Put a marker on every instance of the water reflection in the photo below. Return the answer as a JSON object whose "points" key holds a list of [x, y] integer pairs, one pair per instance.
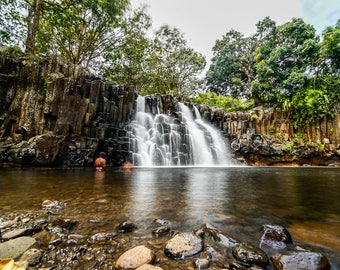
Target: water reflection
{"points": [[237, 199]]}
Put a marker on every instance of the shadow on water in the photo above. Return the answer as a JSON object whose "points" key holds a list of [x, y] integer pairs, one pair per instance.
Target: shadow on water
{"points": [[237, 200]]}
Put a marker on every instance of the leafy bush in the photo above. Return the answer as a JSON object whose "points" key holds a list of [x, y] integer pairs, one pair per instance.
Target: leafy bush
{"points": [[227, 103], [309, 105]]}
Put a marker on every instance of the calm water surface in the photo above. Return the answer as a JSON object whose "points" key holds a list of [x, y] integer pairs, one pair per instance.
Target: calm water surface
{"points": [[237, 200]]}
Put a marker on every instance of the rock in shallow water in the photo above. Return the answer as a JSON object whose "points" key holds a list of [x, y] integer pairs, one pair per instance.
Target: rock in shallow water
{"points": [[183, 245], [161, 231], [294, 259], [16, 247], [135, 257], [126, 226], [32, 256], [250, 255], [275, 238], [16, 233]]}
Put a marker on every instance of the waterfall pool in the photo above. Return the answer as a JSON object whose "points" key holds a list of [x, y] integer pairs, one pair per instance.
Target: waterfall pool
{"points": [[236, 200]]}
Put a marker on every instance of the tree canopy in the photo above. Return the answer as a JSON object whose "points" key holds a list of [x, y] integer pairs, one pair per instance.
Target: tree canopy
{"points": [[108, 37], [283, 66], [286, 66]]}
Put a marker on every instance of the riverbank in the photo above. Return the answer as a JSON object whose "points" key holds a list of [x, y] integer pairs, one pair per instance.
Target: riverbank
{"points": [[47, 238]]}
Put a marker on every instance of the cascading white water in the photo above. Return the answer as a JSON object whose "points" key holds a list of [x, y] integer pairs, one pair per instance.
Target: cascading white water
{"points": [[175, 140]]}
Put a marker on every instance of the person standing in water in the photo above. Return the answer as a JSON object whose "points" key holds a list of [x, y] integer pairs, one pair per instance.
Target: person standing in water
{"points": [[100, 163]]}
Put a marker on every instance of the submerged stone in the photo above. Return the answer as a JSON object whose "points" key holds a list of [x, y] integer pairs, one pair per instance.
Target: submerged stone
{"points": [[16, 233], [161, 231], [217, 236], [275, 237], [149, 267], [183, 245], [126, 226], [249, 255], [14, 248], [295, 259]]}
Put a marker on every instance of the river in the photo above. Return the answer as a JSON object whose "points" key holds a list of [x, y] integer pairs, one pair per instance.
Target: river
{"points": [[237, 200]]}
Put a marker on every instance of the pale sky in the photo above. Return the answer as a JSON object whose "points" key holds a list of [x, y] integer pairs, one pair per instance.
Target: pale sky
{"points": [[204, 21]]}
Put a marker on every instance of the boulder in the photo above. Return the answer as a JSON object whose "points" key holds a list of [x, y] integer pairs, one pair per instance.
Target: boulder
{"points": [[16, 233], [298, 259], [14, 248], [183, 245], [250, 255], [135, 257], [275, 238]]}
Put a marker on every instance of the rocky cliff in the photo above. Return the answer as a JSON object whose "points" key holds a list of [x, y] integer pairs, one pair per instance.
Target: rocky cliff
{"points": [[263, 136], [49, 118]]}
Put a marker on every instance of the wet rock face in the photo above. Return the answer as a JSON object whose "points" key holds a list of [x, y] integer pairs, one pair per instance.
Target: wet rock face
{"points": [[126, 226], [290, 260], [48, 118], [275, 238], [249, 255], [210, 231], [183, 245]]}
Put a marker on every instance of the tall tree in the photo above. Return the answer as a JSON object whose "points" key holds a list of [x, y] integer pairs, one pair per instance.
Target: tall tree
{"points": [[282, 64], [162, 64], [81, 31], [126, 64], [232, 68], [331, 47], [33, 20], [176, 65]]}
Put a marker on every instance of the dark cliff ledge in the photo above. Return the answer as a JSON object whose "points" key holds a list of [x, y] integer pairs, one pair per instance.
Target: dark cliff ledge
{"points": [[50, 119], [267, 137]]}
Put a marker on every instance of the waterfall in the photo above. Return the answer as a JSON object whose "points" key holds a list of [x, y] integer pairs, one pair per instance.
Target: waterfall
{"points": [[180, 138]]}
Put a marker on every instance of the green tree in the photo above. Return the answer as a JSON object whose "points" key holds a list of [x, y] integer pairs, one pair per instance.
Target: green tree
{"points": [[232, 69], [331, 48], [163, 64], [283, 63], [81, 31], [127, 63], [175, 67], [13, 28]]}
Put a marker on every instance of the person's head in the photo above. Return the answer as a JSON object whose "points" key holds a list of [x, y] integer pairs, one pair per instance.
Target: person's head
{"points": [[102, 155]]}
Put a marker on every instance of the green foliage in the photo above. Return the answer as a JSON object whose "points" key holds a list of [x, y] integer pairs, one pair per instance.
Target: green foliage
{"points": [[12, 23], [287, 68], [232, 66], [227, 103], [331, 47], [282, 64], [7, 59], [81, 31], [163, 65], [310, 105]]}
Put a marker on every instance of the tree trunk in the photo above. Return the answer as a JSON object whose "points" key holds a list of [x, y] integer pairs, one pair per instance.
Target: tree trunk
{"points": [[33, 25]]}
